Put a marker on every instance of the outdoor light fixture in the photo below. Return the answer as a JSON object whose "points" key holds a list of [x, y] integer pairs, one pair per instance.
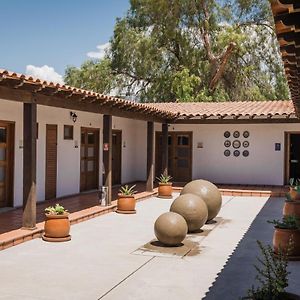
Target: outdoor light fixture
{"points": [[73, 116]]}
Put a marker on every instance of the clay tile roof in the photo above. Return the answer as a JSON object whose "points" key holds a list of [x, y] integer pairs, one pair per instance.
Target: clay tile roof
{"points": [[230, 109]]}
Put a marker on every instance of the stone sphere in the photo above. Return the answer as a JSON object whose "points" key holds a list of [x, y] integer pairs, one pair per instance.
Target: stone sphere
{"points": [[170, 229], [208, 192], [192, 208]]}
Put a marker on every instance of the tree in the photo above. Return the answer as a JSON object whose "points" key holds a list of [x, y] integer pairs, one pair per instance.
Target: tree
{"points": [[93, 75], [194, 50]]}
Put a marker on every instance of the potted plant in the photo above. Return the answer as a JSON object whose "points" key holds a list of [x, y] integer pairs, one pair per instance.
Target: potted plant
{"points": [[294, 189], [57, 224], [286, 236], [164, 186], [126, 200], [291, 207], [272, 274]]}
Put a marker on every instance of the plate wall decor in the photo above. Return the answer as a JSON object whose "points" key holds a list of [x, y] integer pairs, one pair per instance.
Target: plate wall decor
{"points": [[227, 153], [245, 153], [227, 134], [245, 144], [236, 153], [236, 144], [236, 134], [227, 143], [246, 134]]}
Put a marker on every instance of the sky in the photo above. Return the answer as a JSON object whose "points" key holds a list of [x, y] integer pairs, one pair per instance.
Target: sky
{"points": [[41, 38]]}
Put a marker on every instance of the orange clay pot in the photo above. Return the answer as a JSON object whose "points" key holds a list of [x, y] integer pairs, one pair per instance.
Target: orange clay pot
{"points": [[165, 190], [57, 227], [126, 204], [294, 194], [291, 208], [282, 239]]}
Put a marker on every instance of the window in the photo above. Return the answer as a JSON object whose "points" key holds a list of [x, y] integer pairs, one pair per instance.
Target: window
{"points": [[68, 132]]}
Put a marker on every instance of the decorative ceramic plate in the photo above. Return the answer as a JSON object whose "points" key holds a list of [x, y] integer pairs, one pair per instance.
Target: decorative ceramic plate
{"points": [[236, 134], [227, 153], [227, 143], [236, 153], [245, 144], [246, 134], [227, 134], [245, 153], [236, 144]]}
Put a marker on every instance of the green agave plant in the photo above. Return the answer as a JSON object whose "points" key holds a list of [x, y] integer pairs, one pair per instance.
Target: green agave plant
{"points": [[164, 178], [288, 222], [55, 210], [127, 191]]}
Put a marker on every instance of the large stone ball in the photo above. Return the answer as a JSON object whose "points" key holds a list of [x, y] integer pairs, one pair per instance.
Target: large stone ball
{"points": [[192, 208], [208, 192], [170, 229]]}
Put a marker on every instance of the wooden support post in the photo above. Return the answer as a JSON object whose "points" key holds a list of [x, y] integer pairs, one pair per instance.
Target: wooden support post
{"points": [[29, 165], [150, 156], [164, 155], [107, 154]]}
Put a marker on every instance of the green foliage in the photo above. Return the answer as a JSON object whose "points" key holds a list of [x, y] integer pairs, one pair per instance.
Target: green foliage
{"points": [[93, 75], [295, 184], [164, 178], [288, 222], [55, 210], [272, 275], [127, 191], [159, 53]]}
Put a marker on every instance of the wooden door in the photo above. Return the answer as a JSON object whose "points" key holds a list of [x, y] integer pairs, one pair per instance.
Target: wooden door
{"points": [[51, 161], [116, 156], [182, 156], [179, 155], [89, 159], [6, 163]]}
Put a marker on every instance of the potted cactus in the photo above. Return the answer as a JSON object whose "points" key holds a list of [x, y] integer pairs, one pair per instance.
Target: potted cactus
{"points": [[286, 236], [57, 224], [164, 186], [126, 200]]}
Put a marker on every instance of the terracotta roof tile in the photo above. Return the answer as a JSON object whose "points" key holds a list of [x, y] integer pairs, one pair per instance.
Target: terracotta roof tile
{"points": [[230, 109], [170, 111]]}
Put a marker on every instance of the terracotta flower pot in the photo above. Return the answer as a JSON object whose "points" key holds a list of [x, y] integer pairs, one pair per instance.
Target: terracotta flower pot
{"points": [[57, 228], [165, 190], [126, 204], [291, 208], [282, 239], [294, 194]]}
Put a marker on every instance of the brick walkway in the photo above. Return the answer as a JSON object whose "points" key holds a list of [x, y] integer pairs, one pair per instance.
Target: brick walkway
{"points": [[85, 206]]}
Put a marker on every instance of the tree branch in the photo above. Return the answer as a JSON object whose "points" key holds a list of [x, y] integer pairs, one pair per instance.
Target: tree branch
{"points": [[221, 67]]}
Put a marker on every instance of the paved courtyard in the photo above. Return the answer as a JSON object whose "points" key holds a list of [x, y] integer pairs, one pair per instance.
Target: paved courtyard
{"points": [[103, 260]]}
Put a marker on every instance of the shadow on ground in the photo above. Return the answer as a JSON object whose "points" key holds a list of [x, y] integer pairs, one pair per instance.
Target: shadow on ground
{"points": [[239, 274]]}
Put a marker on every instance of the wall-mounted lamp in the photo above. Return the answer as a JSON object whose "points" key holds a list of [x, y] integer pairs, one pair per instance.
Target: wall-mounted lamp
{"points": [[73, 116]]}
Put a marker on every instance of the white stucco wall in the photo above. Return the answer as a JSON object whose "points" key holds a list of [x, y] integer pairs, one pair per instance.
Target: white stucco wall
{"points": [[68, 157], [263, 166]]}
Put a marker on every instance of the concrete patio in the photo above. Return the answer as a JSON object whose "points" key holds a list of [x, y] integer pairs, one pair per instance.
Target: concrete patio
{"points": [[102, 261]]}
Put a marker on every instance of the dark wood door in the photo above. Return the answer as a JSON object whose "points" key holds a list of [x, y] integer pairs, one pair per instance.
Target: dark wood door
{"points": [[294, 156], [116, 156], [179, 155], [89, 159], [51, 161], [6, 163]]}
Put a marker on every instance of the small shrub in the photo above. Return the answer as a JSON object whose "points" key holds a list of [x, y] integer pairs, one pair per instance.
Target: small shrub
{"points": [[288, 222], [272, 275]]}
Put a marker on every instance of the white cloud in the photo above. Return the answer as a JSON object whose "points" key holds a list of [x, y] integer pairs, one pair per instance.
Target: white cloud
{"points": [[45, 73], [101, 51]]}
